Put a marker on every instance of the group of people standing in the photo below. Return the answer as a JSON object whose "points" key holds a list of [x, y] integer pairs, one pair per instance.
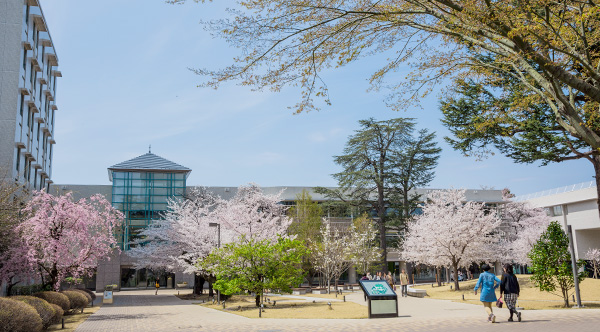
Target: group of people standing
{"points": [[391, 280], [509, 286]]}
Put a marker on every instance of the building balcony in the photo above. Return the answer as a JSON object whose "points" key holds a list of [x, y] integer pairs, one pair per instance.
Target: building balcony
{"points": [[32, 106], [45, 42], [34, 61], [40, 120], [42, 80], [52, 59], [36, 166], [57, 73], [54, 107], [20, 145], [52, 141], [34, 3], [28, 154], [49, 93], [46, 131], [27, 45], [40, 24], [24, 91]]}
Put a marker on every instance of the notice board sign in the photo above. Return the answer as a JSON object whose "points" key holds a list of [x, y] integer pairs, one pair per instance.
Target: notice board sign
{"points": [[383, 301]]}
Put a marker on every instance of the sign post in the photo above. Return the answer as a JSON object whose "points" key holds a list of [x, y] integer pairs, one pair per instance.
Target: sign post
{"points": [[108, 294], [383, 301]]}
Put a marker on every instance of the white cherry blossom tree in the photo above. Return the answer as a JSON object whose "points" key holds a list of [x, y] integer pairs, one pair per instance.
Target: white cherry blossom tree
{"points": [[593, 255], [452, 232], [522, 226]]}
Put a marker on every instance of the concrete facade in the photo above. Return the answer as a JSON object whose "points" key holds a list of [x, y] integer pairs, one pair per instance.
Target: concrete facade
{"points": [[574, 205], [28, 75]]}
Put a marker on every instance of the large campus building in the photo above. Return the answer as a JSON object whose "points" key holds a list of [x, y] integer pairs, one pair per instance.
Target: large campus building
{"points": [[141, 188], [28, 78]]}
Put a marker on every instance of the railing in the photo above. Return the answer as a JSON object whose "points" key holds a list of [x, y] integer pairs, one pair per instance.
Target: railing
{"points": [[565, 189]]}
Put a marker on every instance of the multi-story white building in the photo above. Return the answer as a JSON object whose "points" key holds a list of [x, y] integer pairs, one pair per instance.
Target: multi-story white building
{"points": [[28, 75], [576, 206]]}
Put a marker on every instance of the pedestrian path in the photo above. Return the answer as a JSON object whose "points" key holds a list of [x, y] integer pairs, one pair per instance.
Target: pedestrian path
{"points": [[142, 311]]}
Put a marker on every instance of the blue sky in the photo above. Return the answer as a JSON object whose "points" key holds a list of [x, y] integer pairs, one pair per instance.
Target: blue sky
{"points": [[126, 85]]}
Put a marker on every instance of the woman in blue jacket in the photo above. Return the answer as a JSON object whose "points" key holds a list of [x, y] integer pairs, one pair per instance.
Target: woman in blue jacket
{"points": [[488, 283]]}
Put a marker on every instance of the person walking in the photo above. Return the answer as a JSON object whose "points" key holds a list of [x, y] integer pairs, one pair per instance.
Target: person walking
{"points": [[404, 283], [157, 286], [390, 280], [369, 276], [509, 286], [488, 283]]}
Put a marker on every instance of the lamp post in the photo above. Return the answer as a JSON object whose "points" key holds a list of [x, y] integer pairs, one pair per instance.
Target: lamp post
{"points": [[218, 226]]}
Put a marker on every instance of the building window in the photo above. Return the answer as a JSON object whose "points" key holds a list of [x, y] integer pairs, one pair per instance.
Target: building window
{"points": [[22, 105], [557, 210], [27, 15], [18, 159], [24, 58], [35, 179]]}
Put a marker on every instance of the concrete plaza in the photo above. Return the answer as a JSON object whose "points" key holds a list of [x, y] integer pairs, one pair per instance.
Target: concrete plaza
{"points": [[141, 310]]}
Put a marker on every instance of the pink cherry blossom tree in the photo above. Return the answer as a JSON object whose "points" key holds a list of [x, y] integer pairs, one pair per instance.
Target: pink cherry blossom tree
{"points": [[62, 237], [522, 226], [452, 232]]}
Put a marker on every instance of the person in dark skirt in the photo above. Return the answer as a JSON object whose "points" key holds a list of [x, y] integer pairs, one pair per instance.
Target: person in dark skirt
{"points": [[509, 286]]}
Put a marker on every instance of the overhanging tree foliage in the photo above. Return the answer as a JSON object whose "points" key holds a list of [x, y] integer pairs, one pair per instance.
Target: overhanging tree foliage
{"points": [[551, 263], [383, 161], [550, 47], [500, 112]]}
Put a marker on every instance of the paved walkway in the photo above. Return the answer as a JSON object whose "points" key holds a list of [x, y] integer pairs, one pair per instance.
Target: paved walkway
{"points": [[143, 311]]}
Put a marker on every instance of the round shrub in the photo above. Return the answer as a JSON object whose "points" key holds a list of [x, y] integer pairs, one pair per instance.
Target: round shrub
{"points": [[58, 313], [43, 308], [57, 298], [84, 293], [17, 316], [78, 301], [92, 294]]}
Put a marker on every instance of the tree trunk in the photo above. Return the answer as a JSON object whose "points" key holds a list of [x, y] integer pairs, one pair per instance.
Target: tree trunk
{"points": [[438, 276], [211, 293], [383, 243], [565, 294], [198, 284], [596, 163], [455, 268]]}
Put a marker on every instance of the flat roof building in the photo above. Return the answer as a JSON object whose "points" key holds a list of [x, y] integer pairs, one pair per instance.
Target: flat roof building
{"points": [[28, 78]]}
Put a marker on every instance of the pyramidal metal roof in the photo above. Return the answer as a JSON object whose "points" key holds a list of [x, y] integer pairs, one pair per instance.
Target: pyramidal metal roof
{"points": [[148, 162]]}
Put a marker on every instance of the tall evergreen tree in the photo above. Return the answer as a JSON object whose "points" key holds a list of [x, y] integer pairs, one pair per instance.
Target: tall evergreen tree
{"points": [[382, 161]]}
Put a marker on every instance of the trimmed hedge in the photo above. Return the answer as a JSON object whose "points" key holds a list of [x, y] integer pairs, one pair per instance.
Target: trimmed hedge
{"points": [[78, 301], [17, 316], [43, 308], [57, 298], [84, 293], [92, 294], [58, 314]]}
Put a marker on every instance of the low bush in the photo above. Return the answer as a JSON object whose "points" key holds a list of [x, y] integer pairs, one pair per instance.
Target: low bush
{"points": [[81, 291], [43, 308], [92, 294], [57, 298], [58, 314], [17, 316], [78, 300]]}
